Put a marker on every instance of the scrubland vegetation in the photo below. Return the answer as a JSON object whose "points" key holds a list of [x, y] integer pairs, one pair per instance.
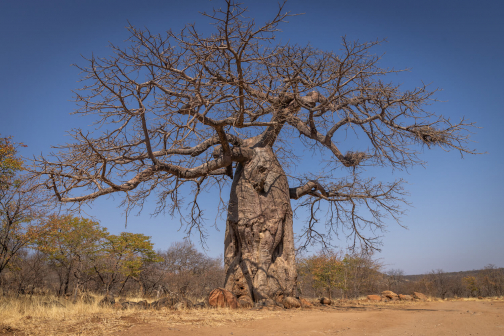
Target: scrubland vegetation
{"points": [[351, 276], [77, 255], [33, 300], [52, 315]]}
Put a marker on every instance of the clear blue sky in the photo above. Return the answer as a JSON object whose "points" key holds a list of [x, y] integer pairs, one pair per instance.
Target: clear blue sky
{"points": [[457, 219]]}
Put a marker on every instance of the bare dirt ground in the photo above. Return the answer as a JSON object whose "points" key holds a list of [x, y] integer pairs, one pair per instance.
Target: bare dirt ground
{"points": [[429, 318]]}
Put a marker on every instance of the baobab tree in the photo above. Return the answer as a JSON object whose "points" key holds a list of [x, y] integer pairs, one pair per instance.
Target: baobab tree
{"points": [[203, 110]]}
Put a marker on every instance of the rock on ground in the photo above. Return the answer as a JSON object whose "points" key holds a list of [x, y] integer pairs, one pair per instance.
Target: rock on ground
{"points": [[139, 305], [265, 303], [419, 296], [325, 301], [183, 304], [390, 295], [305, 303], [201, 305], [222, 298], [245, 301], [291, 302], [126, 304], [143, 304], [170, 301], [108, 300]]}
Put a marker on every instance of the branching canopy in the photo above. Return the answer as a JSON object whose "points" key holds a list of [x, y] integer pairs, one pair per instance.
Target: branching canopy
{"points": [[185, 108]]}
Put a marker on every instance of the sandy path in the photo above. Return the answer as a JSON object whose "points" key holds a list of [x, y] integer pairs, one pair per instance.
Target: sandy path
{"points": [[433, 318]]}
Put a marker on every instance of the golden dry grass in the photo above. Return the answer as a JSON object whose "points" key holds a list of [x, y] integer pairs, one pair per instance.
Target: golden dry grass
{"points": [[489, 298], [31, 316]]}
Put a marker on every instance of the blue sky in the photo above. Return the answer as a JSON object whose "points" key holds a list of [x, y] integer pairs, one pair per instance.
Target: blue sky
{"points": [[457, 219]]}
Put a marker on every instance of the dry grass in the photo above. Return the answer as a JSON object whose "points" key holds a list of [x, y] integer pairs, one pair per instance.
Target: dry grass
{"points": [[42, 316], [365, 302], [50, 316], [33, 316], [489, 298]]}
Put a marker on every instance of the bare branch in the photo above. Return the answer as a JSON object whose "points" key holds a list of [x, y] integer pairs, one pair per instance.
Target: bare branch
{"points": [[191, 108]]}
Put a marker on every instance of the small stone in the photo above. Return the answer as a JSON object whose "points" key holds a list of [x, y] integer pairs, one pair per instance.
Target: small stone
{"points": [[419, 296], [305, 303], [325, 301], [291, 302]]}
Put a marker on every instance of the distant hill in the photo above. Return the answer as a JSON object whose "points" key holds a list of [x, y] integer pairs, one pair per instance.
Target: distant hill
{"points": [[462, 274]]}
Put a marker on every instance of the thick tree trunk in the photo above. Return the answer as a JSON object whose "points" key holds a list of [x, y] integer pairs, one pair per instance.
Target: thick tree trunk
{"points": [[259, 244]]}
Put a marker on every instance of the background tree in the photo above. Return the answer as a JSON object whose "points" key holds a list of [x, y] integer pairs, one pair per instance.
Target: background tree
{"points": [[394, 278], [22, 205], [492, 280], [187, 271], [350, 275], [123, 255], [69, 244], [10, 164], [362, 272], [27, 273], [327, 271], [165, 101], [472, 286], [440, 283]]}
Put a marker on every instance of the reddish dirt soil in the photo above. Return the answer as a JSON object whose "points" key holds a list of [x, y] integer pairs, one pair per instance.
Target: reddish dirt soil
{"points": [[430, 318]]}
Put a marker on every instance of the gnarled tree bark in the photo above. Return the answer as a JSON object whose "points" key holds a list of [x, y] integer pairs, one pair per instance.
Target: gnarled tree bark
{"points": [[259, 243]]}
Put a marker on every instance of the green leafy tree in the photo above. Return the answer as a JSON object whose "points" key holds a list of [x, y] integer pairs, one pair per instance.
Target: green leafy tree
{"points": [[326, 270], [70, 243], [361, 273], [352, 274], [10, 163], [123, 256], [471, 283], [22, 205]]}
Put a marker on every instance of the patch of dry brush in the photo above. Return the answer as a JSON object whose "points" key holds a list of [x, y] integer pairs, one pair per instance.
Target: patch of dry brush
{"points": [[48, 315]]}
